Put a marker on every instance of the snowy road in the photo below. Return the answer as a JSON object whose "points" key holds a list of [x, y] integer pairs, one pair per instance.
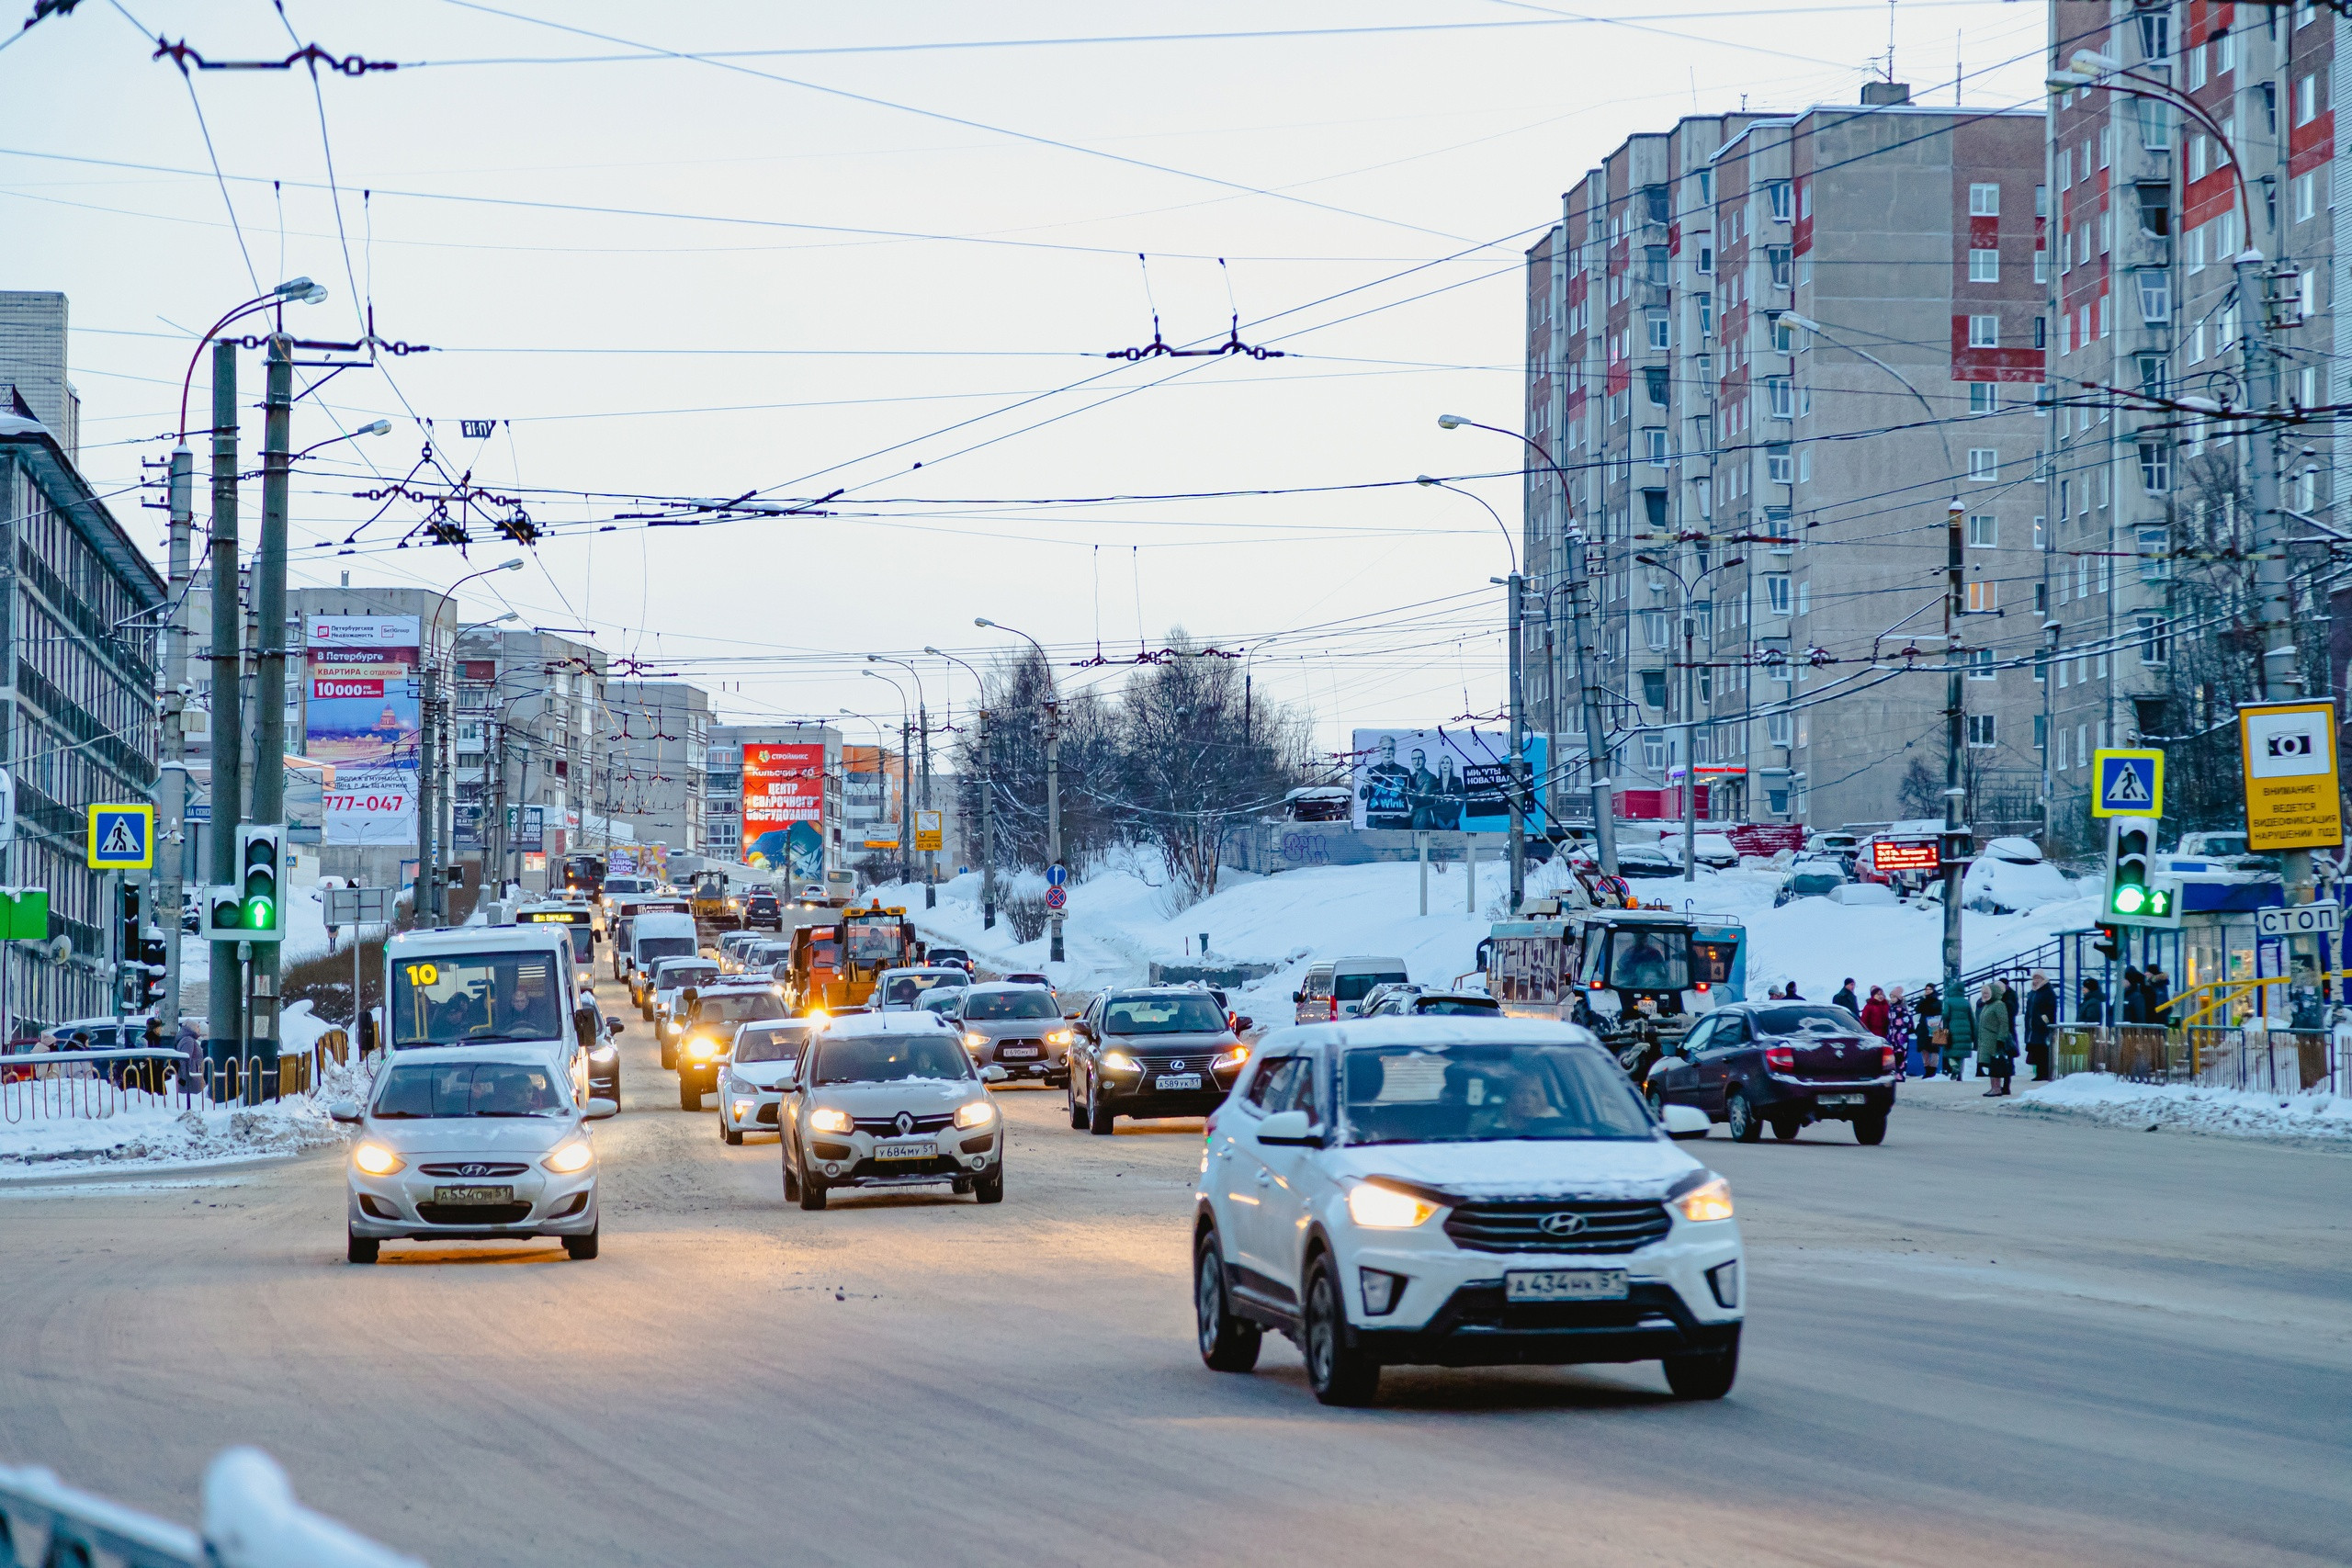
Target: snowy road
{"points": [[1991, 1340]]}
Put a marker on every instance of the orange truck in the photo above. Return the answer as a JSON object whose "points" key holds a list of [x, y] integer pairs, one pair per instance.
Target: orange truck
{"points": [[834, 966]]}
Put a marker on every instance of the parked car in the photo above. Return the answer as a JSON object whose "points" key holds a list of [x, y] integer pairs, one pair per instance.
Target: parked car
{"points": [[1784, 1065], [1809, 879], [1018, 1028], [1158, 1051], [1715, 849], [888, 1099], [1460, 1192]]}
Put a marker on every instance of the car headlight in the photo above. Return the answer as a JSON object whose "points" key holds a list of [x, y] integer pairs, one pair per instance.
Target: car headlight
{"points": [[576, 1155], [1234, 1057], [1379, 1208], [376, 1159], [1057, 1037], [1120, 1062], [1712, 1202], [976, 1113], [701, 1048], [829, 1119], [975, 1039]]}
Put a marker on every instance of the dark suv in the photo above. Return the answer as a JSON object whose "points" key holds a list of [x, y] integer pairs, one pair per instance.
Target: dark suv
{"points": [[1782, 1065], [1166, 1051], [763, 909]]}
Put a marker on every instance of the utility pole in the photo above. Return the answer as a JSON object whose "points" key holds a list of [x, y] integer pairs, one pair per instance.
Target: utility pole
{"points": [[1690, 735], [224, 1011], [428, 810], [269, 663], [987, 828], [1054, 803], [1596, 739], [930, 857], [1955, 844], [906, 801], [171, 778], [1516, 586]]}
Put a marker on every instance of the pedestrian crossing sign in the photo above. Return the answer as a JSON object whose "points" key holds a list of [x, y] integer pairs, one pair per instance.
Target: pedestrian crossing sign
{"points": [[122, 838], [2130, 783]]}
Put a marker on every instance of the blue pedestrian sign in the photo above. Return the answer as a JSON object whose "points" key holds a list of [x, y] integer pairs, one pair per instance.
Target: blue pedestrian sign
{"points": [[2130, 783], [122, 838], [1056, 874]]}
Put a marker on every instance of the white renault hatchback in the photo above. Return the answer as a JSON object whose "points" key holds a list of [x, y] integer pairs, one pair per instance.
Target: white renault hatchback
{"points": [[1458, 1191]]}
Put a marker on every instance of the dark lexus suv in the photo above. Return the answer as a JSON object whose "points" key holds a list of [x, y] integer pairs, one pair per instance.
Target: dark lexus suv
{"points": [[1782, 1065], [1166, 1051]]}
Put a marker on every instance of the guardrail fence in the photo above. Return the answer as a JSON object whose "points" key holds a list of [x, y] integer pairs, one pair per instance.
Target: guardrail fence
{"points": [[2267, 1061], [94, 1086]]}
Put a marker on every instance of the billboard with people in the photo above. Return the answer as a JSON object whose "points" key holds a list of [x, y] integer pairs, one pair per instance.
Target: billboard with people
{"points": [[1446, 781], [784, 809], [364, 715]]}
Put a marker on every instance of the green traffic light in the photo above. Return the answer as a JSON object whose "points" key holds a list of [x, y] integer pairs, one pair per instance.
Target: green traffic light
{"points": [[261, 915], [2129, 900]]}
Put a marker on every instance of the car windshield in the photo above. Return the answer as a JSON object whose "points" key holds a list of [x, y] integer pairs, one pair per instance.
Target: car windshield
{"points": [[1650, 960], [737, 1006], [876, 942], [1453, 1006], [825, 954], [906, 990], [1355, 987], [887, 1058], [673, 975], [1813, 1019], [1814, 884], [649, 948], [465, 998], [1163, 1015], [988, 1007], [470, 1088], [769, 1044], [1483, 1093]]}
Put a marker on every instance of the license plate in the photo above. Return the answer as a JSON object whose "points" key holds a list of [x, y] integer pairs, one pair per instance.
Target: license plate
{"points": [[1565, 1285], [1177, 1080], [473, 1194], [1837, 1100], [907, 1148], [1017, 1053]]}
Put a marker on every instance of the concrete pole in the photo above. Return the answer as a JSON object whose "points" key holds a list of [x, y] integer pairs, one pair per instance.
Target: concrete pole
{"points": [[1955, 743], [1470, 869], [1596, 739], [269, 663], [224, 1013], [906, 803], [171, 778], [428, 809], [1054, 810], [987, 828], [930, 857], [1421, 848], [1516, 588], [1690, 737]]}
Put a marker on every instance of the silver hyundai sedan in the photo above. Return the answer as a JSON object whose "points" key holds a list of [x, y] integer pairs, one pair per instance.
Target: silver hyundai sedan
{"points": [[458, 1144], [889, 1100]]}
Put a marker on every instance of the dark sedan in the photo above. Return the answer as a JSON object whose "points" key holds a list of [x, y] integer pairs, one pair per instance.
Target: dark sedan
{"points": [[1168, 1051], [1782, 1065]]}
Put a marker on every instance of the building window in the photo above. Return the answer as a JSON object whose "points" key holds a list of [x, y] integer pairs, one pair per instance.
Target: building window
{"points": [[2156, 467], [2155, 634], [1984, 397], [1776, 259], [1984, 201], [2306, 189], [1779, 467], [2156, 554], [1778, 525], [1981, 730], [1659, 332], [1784, 334], [1983, 266], [1772, 652], [1983, 331], [1983, 599], [1780, 399], [1654, 750], [1706, 313], [1776, 193], [1653, 447], [2040, 265], [1984, 464], [2156, 35], [1984, 531], [2307, 100], [1654, 383], [2039, 530], [1655, 629]]}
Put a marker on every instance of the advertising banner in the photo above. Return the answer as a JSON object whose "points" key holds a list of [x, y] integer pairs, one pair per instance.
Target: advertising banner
{"points": [[784, 809], [1446, 781], [364, 716]]}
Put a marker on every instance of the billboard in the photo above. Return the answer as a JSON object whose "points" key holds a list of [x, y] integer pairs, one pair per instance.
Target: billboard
{"points": [[363, 715], [784, 809], [1446, 781]]}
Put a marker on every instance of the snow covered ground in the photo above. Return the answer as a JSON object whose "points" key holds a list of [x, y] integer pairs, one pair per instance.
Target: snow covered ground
{"points": [[1118, 924], [2116, 1102]]}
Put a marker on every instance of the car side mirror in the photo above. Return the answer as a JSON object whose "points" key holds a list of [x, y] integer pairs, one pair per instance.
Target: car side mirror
{"points": [[599, 1107], [993, 1074], [1685, 1122], [1242, 1022], [789, 1080], [1290, 1129], [612, 1025], [1298, 996], [343, 1111]]}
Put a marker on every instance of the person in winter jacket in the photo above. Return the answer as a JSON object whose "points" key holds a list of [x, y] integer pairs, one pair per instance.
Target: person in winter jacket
{"points": [[2041, 1025], [1875, 1013], [1996, 1050], [2094, 1005], [1843, 996], [1902, 1033], [1960, 1031]]}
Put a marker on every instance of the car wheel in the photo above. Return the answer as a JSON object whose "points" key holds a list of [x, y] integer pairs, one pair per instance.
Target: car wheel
{"points": [[1745, 1127], [733, 1136], [812, 1191], [1871, 1129], [689, 1095], [1705, 1375], [1657, 1103], [580, 1248], [1229, 1343], [990, 1188], [1785, 1127], [1099, 1116], [358, 1249], [1077, 1115], [961, 1186], [669, 1057], [1339, 1373]]}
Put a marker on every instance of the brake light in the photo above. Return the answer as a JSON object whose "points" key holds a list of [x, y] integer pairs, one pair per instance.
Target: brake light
{"points": [[1700, 986], [1335, 1006], [1779, 1059], [1886, 1058]]}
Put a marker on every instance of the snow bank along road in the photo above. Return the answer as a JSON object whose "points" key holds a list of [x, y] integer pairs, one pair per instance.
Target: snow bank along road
{"points": [[1991, 1340]]}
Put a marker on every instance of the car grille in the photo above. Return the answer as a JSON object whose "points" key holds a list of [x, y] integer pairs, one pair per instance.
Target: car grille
{"points": [[1483, 1306], [470, 1169], [888, 1127], [1517, 1225], [765, 1116], [473, 1213]]}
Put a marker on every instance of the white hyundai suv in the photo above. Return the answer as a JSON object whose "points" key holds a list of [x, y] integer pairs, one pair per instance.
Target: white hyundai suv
{"points": [[1459, 1191]]}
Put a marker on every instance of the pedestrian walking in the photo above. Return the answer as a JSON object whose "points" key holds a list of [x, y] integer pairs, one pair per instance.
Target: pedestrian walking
{"points": [[1958, 1036], [1995, 1048], [2041, 1025], [191, 1047], [1902, 1033], [1844, 997], [2158, 986], [1930, 1031], [2135, 997], [2093, 1007], [1875, 1013]]}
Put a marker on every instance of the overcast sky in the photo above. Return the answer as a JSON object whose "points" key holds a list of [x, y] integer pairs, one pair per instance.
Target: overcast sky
{"points": [[887, 256]]}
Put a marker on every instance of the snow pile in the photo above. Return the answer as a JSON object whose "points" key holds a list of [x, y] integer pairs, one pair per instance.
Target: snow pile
{"points": [[2100, 1096], [164, 1136], [1999, 885]]}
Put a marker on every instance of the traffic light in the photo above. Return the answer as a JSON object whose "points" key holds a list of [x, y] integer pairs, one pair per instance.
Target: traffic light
{"points": [[126, 943], [2135, 896], [261, 914], [2110, 941]]}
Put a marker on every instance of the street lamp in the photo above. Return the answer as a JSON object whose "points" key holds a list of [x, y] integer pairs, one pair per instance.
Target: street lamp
{"points": [[988, 794], [1690, 706], [906, 813], [1052, 773], [1604, 823], [428, 898], [922, 731], [379, 427]]}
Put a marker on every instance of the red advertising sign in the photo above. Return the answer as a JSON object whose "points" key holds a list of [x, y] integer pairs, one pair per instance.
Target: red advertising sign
{"points": [[330, 686], [1918, 854], [784, 806]]}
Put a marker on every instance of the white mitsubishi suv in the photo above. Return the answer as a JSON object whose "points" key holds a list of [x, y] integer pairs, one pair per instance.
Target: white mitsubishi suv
{"points": [[1459, 1193]]}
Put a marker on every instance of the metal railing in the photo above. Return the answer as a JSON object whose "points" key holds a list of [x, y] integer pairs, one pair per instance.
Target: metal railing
{"points": [[95, 1086], [251, 1520], [2267, 1061]]}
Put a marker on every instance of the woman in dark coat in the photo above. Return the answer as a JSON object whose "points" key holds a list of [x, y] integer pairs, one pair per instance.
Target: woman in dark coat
{"points": [[2093, 1006], [1996, 1049]]}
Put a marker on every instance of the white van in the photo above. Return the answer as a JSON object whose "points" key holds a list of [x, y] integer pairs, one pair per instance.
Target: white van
{"points": [[653, 935], [1337, 988], [505, 985]]}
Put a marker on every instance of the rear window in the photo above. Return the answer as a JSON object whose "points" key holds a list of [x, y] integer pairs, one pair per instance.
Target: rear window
{"points": [[1454, 1007], [649, 948], [1819, 885], [674, 975], [769, 1044], [1355, 987], [1814, 1019]]}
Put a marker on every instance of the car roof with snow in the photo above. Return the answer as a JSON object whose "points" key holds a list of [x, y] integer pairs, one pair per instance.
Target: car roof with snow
{"points": [[480, 938], [1442, 1030], [853, 1026], [981, 987], [514, 1052]]}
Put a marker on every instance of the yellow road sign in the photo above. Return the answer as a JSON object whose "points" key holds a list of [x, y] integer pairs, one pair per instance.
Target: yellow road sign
{"points": [[927, 831], [2292, 799]]}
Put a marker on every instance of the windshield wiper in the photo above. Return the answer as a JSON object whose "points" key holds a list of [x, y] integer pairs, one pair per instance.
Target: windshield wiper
{"points": [[511, 1114], [497, 1039]]}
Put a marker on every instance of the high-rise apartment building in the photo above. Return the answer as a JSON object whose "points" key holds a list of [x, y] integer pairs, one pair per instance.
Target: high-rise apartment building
{"points": [[1769, 353], [657, 750]]}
